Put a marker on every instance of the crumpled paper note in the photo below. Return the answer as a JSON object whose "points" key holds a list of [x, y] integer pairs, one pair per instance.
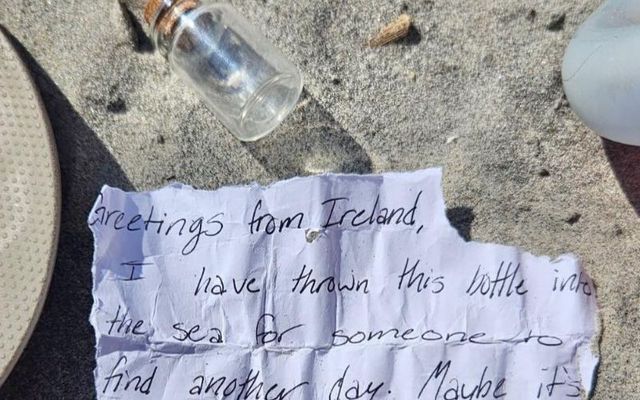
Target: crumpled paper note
{"points": [[327, 287]]}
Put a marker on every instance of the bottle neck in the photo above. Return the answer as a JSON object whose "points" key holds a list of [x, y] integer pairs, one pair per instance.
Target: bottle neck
{"points": [[163, 17]]}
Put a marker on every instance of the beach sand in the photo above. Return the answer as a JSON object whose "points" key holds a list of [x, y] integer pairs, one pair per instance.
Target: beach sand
{"points": [[476, 88]]}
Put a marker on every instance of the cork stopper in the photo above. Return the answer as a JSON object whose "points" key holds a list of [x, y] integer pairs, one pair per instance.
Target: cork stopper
{"points": [[162, 15], [151, 9]]}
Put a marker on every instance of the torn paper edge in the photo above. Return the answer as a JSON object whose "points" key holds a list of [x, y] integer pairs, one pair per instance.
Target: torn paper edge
{"points": [[588, 364]]}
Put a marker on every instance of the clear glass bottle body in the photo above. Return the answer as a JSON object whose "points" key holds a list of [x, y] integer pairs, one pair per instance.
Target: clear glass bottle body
{"points": [[247, 82]]}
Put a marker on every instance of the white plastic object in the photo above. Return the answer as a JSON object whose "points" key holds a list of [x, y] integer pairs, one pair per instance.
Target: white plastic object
{"points": [[601, 71], [29, 205]]}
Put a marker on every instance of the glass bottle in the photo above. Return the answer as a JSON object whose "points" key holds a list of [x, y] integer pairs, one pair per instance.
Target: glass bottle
{"points": [[247, 82]]}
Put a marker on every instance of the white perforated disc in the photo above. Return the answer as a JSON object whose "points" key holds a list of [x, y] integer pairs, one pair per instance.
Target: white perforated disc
{"points": [[29, 206]]}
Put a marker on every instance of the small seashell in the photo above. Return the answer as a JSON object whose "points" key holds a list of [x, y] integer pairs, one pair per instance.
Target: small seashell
{"points": [[392, 32]]}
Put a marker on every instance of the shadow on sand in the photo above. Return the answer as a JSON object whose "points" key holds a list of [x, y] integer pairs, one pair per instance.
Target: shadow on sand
{"points": [[625, 162], [309, 141]]}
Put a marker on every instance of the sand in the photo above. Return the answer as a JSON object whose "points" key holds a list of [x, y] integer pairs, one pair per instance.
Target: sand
{"points": [[475, 89]]}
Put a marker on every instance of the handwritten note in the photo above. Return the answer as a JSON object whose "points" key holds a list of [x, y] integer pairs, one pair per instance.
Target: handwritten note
{"points": [[331, 287]]}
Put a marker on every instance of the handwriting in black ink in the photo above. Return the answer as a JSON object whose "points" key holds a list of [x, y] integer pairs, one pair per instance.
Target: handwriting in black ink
{"points": [[272, 224], [573, 283], [502, 284], [195, 334], [337, 215], [394, 335], [123, 325], [215, 285], [456, 389], [342, 337], [411, 277], [134, 274], [562, 384], [306, 283], [266, 336], [132, 383], [251, 386], [195, 228], [351, 389]]}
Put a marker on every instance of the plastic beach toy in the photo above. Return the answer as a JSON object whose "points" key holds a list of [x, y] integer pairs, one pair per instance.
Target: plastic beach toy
{"points": [[601, 71]]}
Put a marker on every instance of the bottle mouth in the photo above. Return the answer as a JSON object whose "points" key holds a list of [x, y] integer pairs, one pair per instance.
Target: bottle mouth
{"points": [[269, 105]]}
